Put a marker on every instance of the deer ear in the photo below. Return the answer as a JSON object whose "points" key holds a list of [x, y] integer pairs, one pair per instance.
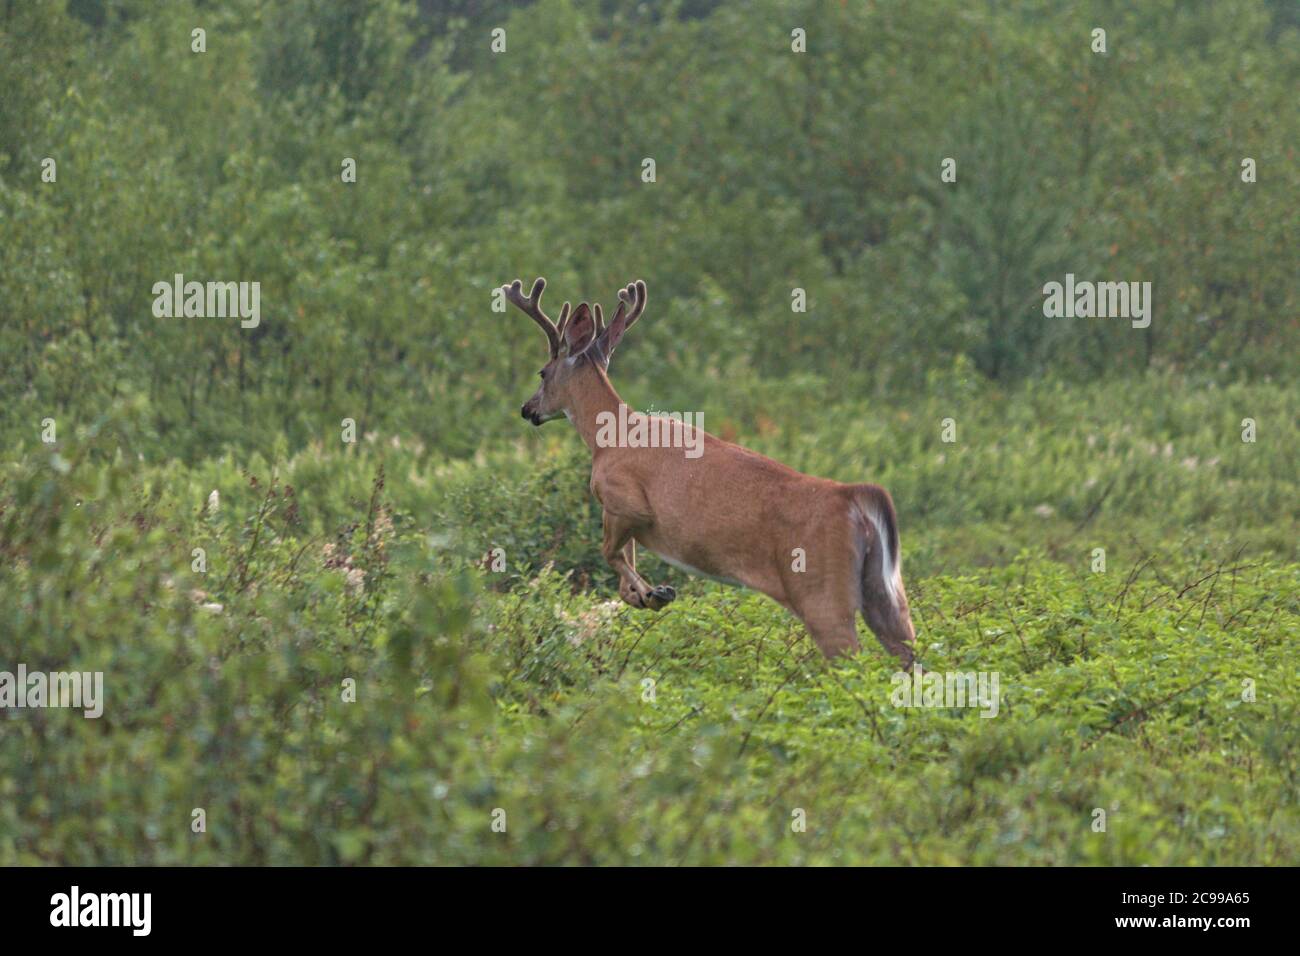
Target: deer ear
{"points": [[580, 330]]}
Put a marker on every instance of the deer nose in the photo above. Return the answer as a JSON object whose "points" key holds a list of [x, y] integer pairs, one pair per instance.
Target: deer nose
{"points": [[523, 412]]}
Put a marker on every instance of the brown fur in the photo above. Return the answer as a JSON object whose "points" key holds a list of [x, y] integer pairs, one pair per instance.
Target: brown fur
{"points": [[730, 513]]}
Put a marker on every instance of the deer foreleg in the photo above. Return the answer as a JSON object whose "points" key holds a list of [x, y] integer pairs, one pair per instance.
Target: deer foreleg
{"points": [[619, 549]]}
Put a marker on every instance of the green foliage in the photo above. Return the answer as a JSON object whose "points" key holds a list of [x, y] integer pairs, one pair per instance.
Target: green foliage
{"points": [[198, 531], [479, 691], [474, 168]]}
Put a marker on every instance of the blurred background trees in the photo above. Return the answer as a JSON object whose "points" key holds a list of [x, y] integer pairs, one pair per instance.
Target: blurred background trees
{"points": [[775, 170]]}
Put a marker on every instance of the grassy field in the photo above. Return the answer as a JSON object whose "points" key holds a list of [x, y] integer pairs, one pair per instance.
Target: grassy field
{"points": [[526, 716]]}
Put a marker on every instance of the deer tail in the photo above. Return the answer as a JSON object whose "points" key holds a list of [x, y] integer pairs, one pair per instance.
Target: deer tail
{"points": [[884, 600]]}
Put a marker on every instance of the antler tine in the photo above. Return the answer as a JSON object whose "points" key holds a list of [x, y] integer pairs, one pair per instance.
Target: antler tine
{"points": [[532, 307], [634, 296], [600, 318], [564, 320]]}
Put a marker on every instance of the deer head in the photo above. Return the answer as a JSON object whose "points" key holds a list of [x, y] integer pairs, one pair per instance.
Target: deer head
{"points": [[580, 346]]}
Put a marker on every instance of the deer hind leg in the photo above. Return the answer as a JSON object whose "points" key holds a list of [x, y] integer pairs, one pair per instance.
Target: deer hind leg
{"points": [[832, 626], [619, 549]]}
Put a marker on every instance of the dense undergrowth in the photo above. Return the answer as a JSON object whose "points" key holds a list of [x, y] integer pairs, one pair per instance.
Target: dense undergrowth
{"points": [[1161, 690]]}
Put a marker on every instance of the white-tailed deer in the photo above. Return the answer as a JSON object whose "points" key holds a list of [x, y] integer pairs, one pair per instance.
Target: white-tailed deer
{"points": [[824, 550]]}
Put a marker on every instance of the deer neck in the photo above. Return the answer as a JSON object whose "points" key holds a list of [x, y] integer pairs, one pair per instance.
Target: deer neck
{"points": [[593, 398]]}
